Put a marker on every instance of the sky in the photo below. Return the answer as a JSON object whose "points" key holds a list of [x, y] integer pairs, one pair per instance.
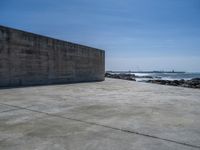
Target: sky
{"points": [[135, 34]]}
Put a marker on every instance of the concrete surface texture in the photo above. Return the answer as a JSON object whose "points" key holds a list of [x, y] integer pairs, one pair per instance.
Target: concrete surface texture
{"points": [[31, 59], [109, 115]]}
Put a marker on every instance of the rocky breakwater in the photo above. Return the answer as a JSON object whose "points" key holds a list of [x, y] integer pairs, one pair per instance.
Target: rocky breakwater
{"points": [[126, 76], [193, 83], [121, 76]]}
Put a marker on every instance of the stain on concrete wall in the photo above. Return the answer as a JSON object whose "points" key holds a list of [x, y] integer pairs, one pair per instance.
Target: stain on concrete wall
{"points": [[31, 59]]}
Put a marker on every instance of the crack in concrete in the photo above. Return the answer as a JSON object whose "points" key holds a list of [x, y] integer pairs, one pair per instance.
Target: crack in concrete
{"points": [[15, 108], [9, 110], [110, 127]]}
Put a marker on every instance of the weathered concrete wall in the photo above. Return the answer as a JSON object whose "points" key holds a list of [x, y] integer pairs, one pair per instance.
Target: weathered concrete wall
{"points": [[31, 59]]}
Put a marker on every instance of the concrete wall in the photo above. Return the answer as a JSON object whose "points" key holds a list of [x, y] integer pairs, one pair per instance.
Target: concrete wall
{"points": [[31, 59]]}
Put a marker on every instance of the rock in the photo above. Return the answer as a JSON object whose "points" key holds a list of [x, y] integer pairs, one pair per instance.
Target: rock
{"points": [[198, 86], [175, 82], [158, 77], [185, 85], [182, 81], [193, 83], [150, 77], [107, 74], [195, 79], [121, 76], [158, 81]]}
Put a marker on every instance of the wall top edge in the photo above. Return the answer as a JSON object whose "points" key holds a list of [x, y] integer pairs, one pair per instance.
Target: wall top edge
{"points": [[43, 36]]}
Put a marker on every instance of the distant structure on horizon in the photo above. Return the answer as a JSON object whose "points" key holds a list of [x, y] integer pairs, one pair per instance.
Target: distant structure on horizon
{"points": [[109, 71], [31, 59]]}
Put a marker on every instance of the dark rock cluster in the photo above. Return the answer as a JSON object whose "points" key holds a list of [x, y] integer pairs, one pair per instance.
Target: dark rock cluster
{"points": [[193, 83], [149, 77], [121, 76]]}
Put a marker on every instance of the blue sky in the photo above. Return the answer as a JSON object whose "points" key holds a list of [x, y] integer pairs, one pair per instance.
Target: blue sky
{"points": [[136, 34]]}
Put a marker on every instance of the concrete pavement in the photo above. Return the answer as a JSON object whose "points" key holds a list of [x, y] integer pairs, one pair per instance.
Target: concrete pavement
{"points": [[114, 114]]}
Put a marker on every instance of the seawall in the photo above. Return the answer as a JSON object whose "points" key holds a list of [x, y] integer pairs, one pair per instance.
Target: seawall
{"points": [[32, 59]]}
